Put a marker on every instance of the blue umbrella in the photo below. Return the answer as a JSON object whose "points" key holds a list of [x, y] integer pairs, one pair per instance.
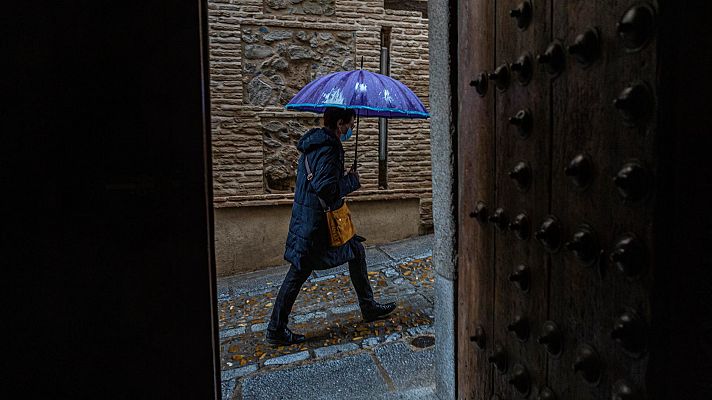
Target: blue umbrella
{"points": [[372, 94], [369, 93]]}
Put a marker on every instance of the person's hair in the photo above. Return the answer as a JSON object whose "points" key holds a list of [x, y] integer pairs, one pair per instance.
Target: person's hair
{"points": [[332, 115]]}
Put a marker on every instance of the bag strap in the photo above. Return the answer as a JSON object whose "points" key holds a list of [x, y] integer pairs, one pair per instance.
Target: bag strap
{"points": [[310, 175]]}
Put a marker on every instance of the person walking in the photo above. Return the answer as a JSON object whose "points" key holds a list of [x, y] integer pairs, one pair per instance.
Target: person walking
{"points": [[307, 247]]}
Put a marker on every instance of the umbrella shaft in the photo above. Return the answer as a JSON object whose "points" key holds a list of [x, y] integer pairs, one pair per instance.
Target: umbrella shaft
{"points": [[356, 146]]}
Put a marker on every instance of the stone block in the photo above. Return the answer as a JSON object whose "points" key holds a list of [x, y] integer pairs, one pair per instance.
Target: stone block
{"points": [[445, 354], [259, 327], [330, 379], [298, 319], [420, 329], [376, 258], [322, 278], [228, 333], [233, 373], [337, 348], [255, 51], [278, 35], [393, 337], [407, 368], [414, 247], [345, 309], [288, 358], [370, 342]]}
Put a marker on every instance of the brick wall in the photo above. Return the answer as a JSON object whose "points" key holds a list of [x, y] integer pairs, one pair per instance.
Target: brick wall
{"points": [[263, 51]]}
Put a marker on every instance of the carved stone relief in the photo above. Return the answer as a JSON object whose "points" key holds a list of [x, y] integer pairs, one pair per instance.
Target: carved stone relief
{"points": [[279, 61]]}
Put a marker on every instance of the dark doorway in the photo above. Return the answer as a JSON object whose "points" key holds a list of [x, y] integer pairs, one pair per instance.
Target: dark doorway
{"points": [[107, 205]]}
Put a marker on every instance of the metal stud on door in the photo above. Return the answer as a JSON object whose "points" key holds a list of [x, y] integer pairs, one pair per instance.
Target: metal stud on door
{"points": [[553, 58], [523, 14]]}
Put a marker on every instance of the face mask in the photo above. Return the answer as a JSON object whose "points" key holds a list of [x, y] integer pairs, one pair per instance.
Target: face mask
{"points": [[346, 136]]}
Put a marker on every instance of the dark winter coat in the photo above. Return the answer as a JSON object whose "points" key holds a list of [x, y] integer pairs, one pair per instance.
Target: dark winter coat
{"points": [[308, 239]]}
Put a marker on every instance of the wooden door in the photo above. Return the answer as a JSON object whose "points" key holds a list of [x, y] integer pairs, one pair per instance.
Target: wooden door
{"points": [[601, 278], [557, 163]]}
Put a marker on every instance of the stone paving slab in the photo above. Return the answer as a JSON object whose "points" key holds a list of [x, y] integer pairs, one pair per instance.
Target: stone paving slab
{"points": [[407, 368], [419, 393], [322, 278], [337, 348], [232, 332], [430, 297], [413, 247], [238, 372], [298, 319], [418, 302], [243, 283], [331, 271], [420, 330], [344, 309], [227, 388], [288, 358], [351, 377], [375, 259]]}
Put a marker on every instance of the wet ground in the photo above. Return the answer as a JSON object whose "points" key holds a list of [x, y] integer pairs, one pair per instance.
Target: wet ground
{"points": [[343, 357]]}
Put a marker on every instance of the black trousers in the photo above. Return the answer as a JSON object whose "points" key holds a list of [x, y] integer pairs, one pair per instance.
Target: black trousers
{"points": [[295, 278]]}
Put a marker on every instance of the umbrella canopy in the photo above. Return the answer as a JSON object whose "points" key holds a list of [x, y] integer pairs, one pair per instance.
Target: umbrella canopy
{"points": [[371, 94]]}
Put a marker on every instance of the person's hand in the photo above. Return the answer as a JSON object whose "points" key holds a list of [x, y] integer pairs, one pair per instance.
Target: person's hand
{"points": [[354, 172]]}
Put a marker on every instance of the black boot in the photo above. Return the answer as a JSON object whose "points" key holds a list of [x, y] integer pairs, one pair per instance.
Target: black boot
{"points": [[284, 337], [376, 311]]}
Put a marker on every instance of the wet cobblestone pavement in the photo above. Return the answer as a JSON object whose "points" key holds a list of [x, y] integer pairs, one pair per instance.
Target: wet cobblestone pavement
{"points": [[326, 311]]}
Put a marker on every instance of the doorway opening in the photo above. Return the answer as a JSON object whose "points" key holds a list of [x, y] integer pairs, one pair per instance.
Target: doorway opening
{"points": [[261, 54]]}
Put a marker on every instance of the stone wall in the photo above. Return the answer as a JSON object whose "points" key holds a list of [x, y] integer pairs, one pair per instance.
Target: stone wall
{"points": [[280, 61], [263, 51]]}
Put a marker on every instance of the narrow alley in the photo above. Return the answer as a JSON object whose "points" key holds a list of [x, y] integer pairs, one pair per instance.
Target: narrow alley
{"points": [[343, 357]]}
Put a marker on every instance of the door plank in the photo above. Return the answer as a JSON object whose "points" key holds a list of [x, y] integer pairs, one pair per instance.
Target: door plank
{"points": [[475, 183], [534, 150]]}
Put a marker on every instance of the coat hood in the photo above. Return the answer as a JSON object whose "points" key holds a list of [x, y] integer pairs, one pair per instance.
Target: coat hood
{"points": [[316, 137]]}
